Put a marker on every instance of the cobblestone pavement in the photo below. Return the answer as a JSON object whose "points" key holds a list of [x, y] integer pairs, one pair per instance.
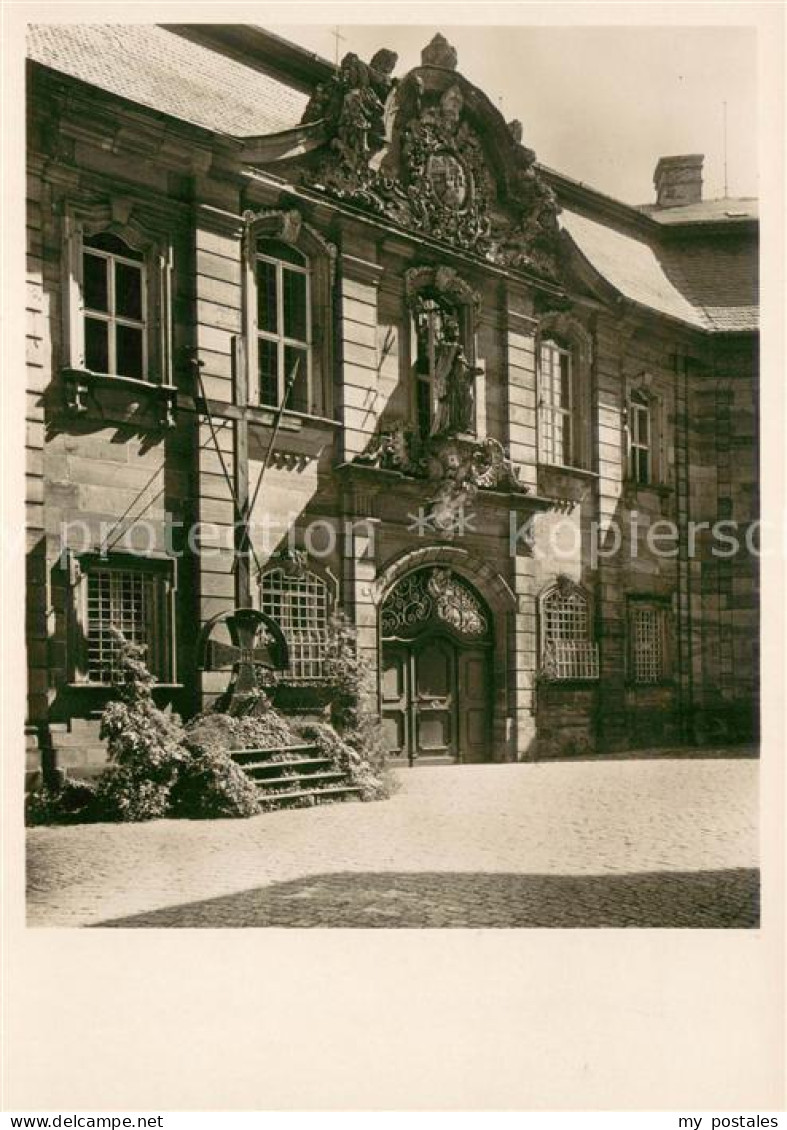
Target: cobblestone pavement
{"points": [[605, 843]]}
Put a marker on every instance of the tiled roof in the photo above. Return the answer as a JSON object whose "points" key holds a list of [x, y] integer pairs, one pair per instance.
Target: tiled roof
{"points": [[709, 284], [719, 277], [630, 265], [727, 209], [169, 73]]}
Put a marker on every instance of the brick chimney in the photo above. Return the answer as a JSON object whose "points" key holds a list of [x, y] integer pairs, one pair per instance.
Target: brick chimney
{"points": [[678, 180]]}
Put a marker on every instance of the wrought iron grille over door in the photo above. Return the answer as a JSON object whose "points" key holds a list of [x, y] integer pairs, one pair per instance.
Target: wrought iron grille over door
{"points": [[435, 670]]}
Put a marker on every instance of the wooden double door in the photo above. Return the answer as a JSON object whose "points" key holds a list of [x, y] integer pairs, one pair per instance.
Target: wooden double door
{"points": [[436, 701]]}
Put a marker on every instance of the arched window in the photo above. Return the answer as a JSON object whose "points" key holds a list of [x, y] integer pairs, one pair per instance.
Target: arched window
{"points": [[299, 602], [117, 301], [283, 325], [567, 647], [288, 319], [114, 303], [556, 403], [564, 384]]}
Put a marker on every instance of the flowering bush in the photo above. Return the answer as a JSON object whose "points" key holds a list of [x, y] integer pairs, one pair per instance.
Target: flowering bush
{"points": [[263, 729], [352, 713], [144, 745], [211, 785], [373, 783], [73, 802]]}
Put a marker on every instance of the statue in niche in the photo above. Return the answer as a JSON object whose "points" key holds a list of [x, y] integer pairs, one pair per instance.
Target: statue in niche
{"points": [[454, 383]]}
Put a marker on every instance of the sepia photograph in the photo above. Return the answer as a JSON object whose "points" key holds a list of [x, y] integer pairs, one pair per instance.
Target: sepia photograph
{"points": [[396, 552], [393, 496]]}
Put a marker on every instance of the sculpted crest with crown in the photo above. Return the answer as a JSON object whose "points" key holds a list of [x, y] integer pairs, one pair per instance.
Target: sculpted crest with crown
{"points": [[421, 152]]}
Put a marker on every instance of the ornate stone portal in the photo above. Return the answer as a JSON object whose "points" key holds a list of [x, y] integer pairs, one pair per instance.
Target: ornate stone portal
{"points": [[412, 151], [433, 597]]}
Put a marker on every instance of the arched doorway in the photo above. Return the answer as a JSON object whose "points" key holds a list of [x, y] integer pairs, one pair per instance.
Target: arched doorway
{"points": [[437, 637]]}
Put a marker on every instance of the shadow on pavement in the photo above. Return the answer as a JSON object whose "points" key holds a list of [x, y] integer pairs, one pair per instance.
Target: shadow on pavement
{"points": [[698, 899]]}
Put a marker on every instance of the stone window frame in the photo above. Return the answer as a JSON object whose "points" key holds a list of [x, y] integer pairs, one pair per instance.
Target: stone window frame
{"points": [[660, 608], [128, 222], [447, 288], [568, 335], [288, 227], [641, 393], [80, 568], [579, 662]]}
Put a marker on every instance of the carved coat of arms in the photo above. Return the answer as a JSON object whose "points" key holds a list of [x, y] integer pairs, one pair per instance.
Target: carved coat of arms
{"points": [[412, 152]]}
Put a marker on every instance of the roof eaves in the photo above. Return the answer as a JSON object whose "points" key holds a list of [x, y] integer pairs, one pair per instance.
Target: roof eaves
{"points": [[598, 203], [260, 50], [624, 299], [73, 87]]}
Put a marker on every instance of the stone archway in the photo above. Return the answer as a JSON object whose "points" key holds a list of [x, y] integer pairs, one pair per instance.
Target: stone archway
{"points": [[435, 656]]}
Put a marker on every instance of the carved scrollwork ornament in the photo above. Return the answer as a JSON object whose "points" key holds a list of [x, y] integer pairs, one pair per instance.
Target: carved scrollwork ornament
{"points": [[435, 596], [412, 153]]}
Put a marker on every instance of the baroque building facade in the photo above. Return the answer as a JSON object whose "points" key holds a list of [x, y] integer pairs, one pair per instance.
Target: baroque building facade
{"points": [[308, 338]]}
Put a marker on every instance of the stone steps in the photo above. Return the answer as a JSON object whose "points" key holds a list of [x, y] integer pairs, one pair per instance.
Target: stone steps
{"points": [[294, 775]]}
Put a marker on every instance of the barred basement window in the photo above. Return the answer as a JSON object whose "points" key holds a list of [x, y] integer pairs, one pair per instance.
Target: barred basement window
{"points": [[130, 602], [568, 652], [299, 604], [649, 652], [283, 325]]}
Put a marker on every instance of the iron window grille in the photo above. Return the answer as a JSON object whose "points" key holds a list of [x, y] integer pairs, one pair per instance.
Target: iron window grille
{"points": [[114, 305], [132, 602], [299, 604], [556, 406], [649, 652], [568, 652], [284, 319]]}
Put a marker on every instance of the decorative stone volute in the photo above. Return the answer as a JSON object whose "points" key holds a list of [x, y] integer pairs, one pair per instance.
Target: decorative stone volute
{"points": [[439, 53]]}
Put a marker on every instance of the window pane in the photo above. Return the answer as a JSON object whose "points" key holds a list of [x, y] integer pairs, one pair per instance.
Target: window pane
{"points": [[283, 251], [129, 351], [565, 381], [298, 400], [560, 439], [113, 244], [648, 651], [424, 407], [128, 291], [268, 356], [122, 600], [267, 314], [96, 345], [294, 305], [299, 604], [94, 282]]}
